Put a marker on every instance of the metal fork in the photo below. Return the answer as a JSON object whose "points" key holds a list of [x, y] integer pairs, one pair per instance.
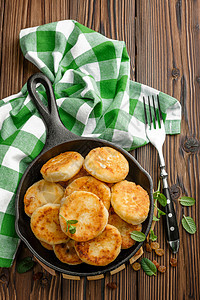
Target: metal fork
{"points": [[156, 136]]}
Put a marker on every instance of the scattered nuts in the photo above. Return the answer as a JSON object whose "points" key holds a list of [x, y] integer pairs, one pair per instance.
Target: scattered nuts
{"points": [[136, 266], [112, 285], [159, 251], [173, 262], [37, 276], [156, 263], [154, 245], [148, 247], [162, 269]]}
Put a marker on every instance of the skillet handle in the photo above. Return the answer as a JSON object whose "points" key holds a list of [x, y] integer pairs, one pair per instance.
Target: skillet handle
{"points": [[57, 133]]}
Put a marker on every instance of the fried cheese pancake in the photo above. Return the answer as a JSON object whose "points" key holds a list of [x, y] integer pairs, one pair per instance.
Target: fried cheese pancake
{"points": [[46, 246], [124, 228], [88, 210], [101, 250], [81, 173], [40, 193], [62, 167], [106, 164], [46, 226], [130, 202], [66, 253], [92, 185]]}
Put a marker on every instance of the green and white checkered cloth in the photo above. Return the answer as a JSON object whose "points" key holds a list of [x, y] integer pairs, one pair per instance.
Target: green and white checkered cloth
{"points": [[95, 97]]}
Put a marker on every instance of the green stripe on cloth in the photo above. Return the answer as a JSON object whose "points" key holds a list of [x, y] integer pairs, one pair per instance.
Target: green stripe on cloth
{"points": [[90, 74]]}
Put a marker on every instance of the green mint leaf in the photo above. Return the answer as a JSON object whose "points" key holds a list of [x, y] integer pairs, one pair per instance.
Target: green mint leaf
{"points": [[148, 267], [187, 201], [189, 224], [160, 212], [162, 199], [24, 264], [152, 236], [155, 218], [138, 236], [72, 221], [72, 229]]}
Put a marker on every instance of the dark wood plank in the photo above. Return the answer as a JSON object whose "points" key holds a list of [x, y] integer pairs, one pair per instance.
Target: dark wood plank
{"points": [[168, 59]]}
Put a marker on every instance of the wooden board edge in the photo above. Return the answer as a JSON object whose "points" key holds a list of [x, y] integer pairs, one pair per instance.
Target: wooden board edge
{"points": [[122, 267], [97, 277], [137, 255], [71, 277]]}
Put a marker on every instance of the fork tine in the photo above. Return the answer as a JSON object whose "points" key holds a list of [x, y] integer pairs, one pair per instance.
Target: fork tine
{"points": [[151, 120], [160, 114], [154, 108], [145, 112]]}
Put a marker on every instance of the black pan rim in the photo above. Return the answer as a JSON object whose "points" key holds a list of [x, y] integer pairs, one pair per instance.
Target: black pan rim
{"points": [[107, 268]]}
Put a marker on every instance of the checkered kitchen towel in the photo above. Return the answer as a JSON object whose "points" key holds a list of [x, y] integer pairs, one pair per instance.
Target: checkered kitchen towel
{"points": [[91, 81]]}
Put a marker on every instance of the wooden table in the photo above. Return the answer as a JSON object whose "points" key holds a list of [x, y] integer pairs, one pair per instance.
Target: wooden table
{"points": [[163, 42]]}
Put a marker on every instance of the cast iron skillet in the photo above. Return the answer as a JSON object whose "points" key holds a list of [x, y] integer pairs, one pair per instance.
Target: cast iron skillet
{"points": [[59, 140]]}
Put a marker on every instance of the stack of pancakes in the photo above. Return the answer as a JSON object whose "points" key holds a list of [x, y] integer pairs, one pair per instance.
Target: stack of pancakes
{"points": [[92, 192]]}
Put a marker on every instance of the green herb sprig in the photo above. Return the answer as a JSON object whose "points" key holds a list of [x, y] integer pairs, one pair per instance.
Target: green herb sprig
{"points": [[152, 236], [72, 229], [158, 196]]}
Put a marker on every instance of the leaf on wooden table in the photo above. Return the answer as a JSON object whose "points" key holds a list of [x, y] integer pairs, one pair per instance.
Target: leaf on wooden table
{"points": [[148, 266], [187, 201], [189, 224], [25, 264]]}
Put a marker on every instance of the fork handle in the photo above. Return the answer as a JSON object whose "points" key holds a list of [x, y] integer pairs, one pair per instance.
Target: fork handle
{"points": [[172, 230]]}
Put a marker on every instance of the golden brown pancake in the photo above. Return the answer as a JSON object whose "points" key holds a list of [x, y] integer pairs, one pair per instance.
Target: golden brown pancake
{"points": [[81, 173], [124, 228], [66, 253], [88, 210], [62, 167], [40, 193], [46, 226], [106, 164], [46, 246], [92, 185], [101, 250], [130, 202]]}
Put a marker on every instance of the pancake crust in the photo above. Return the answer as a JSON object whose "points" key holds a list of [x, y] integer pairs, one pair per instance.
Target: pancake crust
{"points": [[103, 249], [130, 202], [124, 228], [40, 193], [66, 253], [46, 246], [106, 164], [62, 167], [46, 226], [92, 185], [88, 210]]}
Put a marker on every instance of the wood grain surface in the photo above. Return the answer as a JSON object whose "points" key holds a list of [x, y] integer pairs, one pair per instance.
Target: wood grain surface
{"points": [[163, 42]]}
